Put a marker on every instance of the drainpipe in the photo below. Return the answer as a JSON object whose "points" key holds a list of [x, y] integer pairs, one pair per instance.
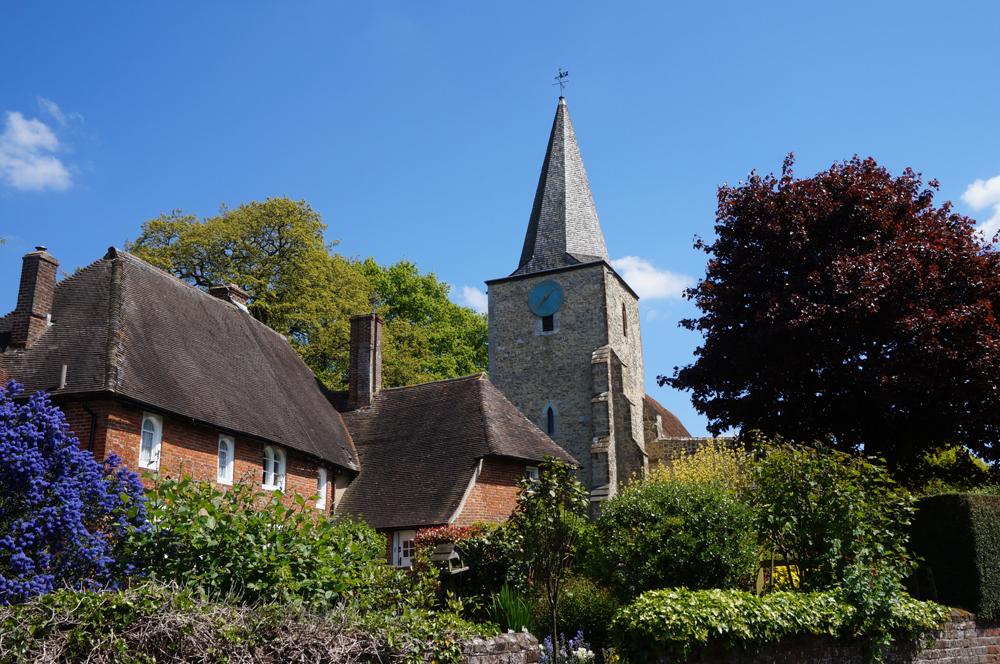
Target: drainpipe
{"points": [[93, 426]]}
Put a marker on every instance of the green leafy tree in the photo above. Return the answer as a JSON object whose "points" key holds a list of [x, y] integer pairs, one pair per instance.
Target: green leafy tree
{"points": [[828, 513], [549, 519], [848, 307], [427, 336], [276, 251], [667, 531], [301, 288]]}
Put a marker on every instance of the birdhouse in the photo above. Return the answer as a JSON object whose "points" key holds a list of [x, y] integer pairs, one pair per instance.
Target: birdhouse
{"points": [[451, 555]]}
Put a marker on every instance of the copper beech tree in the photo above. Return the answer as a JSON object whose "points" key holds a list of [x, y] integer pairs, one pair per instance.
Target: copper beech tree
{"points": [[847, 307]]}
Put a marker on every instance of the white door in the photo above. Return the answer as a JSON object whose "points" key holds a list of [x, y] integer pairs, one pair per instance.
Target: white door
{"points": [[402, 547]]}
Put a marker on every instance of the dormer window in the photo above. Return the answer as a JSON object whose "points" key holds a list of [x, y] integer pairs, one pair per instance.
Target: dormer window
{"points": [[274, 469], [227, 454], [152, 436]]}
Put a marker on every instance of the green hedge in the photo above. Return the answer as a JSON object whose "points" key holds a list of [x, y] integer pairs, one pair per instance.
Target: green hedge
{"points": [[958, 536], [679, 623]]}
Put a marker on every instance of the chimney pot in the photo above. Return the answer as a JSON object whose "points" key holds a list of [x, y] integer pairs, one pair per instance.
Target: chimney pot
{"points": [[365, 375], [33, 313]]}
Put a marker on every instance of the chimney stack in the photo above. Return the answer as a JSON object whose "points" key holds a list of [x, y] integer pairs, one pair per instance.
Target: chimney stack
{"points": [[34, 298], [230, 293], [365, 375]]}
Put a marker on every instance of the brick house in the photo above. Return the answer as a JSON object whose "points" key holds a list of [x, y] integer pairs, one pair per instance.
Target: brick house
{"points": [[171, 378]]}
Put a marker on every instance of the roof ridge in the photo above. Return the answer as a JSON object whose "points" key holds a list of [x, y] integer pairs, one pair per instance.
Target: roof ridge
{"points": [[488, 435], [136, 260], [478, 376]]}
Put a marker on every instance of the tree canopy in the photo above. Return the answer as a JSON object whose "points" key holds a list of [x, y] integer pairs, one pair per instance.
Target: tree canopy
{"points": [[847, 307], [297, 284]]}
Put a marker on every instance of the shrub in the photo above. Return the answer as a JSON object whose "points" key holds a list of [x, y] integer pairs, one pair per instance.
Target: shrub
{"points": [[156, 623], [711, 463], [490, 552], [248, 542], [584, 607], [822, 510], [958, 535], [664, 532], [63, 516], [679, 623], [512, 612]]}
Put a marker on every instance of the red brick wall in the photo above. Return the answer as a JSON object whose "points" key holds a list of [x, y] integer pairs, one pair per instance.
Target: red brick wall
{"points": [[186, 448], [495, 493]]}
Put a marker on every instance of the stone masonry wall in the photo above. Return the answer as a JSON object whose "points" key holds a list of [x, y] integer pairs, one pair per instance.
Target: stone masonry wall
{"points": [[533, 369], [494, 494], [510, 648], [186, 448], [626, 342], [962, 640]]}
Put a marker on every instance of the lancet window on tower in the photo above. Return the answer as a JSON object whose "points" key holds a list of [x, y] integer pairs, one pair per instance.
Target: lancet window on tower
{"points": [[624, 321]]}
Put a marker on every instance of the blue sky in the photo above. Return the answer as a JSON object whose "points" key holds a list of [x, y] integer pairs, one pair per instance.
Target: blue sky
{"points": [[419, 129]]}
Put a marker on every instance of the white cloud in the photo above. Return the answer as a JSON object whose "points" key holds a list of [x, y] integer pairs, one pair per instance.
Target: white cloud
{"points": [[51, 108], [648, 281], [983, 193], [474, 298], [26, 161]]}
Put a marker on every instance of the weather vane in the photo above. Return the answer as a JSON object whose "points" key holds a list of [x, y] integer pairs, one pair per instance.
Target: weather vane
{"points": [[559, 80]]}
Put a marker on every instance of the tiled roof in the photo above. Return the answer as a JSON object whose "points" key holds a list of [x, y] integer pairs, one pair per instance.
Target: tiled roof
{"points": [[563, 229], [126, 328], [672, 427], [420, 445]]}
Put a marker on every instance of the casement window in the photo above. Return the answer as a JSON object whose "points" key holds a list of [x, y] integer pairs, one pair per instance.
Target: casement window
{"points": [[531, 472], [274, 469], [321, 489], [227, 455], [152, 436]]}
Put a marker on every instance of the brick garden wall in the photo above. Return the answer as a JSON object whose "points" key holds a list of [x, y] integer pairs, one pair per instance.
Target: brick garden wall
{"points": [[186, 447], [962, 640], [495, 493]]}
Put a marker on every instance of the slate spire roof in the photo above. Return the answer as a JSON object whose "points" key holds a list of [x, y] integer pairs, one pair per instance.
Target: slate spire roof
{"points": [[563, 229]]}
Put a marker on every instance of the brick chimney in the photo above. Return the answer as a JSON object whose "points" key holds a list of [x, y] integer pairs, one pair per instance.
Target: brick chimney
{"points": [[365, 375], [34, 298], [230, 293]]}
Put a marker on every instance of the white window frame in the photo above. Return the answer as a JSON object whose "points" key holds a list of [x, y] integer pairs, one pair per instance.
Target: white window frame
{"points": [[531, 472], [322, 486], [274, 469], [225, 475], [153, 462]]}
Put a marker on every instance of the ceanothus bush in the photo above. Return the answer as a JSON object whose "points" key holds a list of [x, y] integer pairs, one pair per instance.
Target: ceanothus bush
{"points": [[63, 516]]}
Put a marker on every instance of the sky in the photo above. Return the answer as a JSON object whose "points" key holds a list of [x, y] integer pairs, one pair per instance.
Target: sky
{"points": [[418, 130]]}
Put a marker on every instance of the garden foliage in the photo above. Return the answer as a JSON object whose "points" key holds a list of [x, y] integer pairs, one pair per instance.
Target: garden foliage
{"points": [[680, 622], [714, 462], [665, 532], [958, 536], [63, 516], [155, 623], [548, 522], [249, 543], [825, 512], [584, 607]]}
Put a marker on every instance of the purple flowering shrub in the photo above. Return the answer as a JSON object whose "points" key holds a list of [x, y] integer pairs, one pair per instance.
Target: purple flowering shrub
{"points": [[64, 517]]}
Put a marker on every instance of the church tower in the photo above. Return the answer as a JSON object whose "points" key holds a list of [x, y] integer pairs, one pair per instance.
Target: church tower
{"points": [[565, 346]]}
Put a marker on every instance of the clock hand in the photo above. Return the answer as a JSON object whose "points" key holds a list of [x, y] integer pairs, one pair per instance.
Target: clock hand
{"points": [[544, 297]]}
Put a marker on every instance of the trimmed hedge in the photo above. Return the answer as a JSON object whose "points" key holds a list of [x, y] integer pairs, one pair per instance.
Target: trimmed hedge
{"points": [[679, 623], [958, 536]]}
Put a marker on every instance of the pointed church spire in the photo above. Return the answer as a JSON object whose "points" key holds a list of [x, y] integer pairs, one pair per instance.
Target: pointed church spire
{"points": [[563, 229]]}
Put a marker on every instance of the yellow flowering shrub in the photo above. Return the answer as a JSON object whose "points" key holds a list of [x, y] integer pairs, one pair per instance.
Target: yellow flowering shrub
{"points": [[713, 462]]}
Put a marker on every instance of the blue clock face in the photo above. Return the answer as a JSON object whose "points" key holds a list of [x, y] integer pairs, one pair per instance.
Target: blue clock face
{"points": [[545, 298]]}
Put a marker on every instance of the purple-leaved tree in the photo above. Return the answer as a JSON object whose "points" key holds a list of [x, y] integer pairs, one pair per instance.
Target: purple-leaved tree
{"points": [[64, 517]]}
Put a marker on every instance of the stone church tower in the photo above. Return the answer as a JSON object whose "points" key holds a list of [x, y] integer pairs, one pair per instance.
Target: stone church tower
{"points": [[565, 345]]}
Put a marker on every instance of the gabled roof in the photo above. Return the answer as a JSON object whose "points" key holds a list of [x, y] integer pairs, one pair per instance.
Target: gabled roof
{"points": [[420, 445], [125, 328], [563, 229], [672, 427]]}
